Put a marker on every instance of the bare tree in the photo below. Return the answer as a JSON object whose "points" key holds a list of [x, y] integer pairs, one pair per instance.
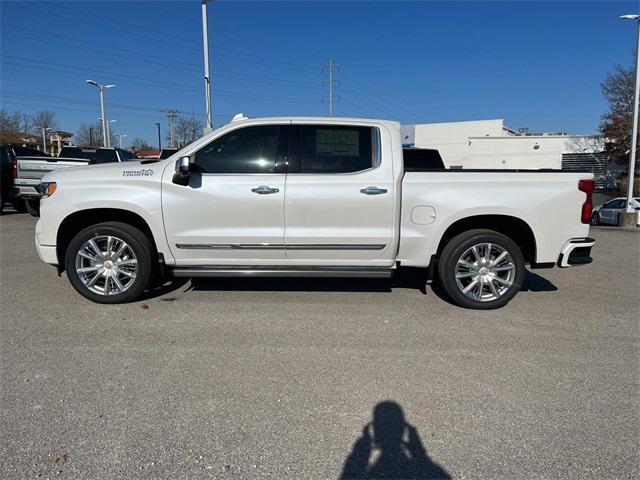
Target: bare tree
{"points": [[139, 143], [187, 130], [14, 121], [90, 135], [43, 119], [616, 122]]}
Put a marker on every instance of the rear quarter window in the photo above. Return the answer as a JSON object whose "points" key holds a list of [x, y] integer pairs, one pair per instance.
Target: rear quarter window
{"points": [[421, 160]]}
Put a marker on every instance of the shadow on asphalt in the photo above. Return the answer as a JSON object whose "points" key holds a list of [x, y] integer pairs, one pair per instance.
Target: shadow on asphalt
{"points": [[407, 278], [390, 448], [535, 283]]}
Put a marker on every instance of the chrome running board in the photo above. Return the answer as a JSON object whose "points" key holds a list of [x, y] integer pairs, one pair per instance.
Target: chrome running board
{"points": [[277, 271]]}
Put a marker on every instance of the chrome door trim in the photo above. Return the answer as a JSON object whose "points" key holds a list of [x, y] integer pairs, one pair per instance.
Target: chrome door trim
{"points": [[337, 246], [230, 246], [277, 246]]}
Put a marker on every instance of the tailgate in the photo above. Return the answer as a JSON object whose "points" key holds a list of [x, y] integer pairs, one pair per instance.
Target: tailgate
{"points": [[32, 169]]}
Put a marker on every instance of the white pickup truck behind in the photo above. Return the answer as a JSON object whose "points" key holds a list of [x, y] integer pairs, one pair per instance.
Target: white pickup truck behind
{"points": [[31, 170], [309, 197]]}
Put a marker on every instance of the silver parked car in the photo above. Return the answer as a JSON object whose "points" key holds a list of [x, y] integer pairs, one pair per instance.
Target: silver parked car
{"points": [[607, 214]]}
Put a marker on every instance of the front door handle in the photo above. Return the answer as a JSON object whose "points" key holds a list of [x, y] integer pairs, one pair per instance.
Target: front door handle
{"points": [[373, 191], [264, 190]]}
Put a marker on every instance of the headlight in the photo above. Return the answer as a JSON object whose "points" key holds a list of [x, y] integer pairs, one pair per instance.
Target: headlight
{"points": [[47, 188]]}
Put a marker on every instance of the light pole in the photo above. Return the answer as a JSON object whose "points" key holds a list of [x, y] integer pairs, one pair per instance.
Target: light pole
{"points": [[120, 136], [634, 130], [159, 140], [105, 130], [44, 137], [207, 76], [108, 131]]}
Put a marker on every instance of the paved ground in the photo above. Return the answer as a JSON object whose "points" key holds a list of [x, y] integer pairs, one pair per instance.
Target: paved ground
{"points": [[235, 379]]}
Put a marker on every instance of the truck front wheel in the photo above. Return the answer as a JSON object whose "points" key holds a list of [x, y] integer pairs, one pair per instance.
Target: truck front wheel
{"points": [[481, 269], [109, 262], [33, 207]]}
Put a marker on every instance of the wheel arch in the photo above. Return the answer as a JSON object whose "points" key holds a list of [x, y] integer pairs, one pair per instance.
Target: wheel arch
{"points": [[81, 219], [513, 227]]}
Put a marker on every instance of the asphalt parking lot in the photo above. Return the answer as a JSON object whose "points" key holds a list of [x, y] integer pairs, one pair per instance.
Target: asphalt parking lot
{"points": [[278, 378]]}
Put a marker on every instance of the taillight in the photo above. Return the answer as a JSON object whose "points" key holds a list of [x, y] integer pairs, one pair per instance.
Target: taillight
{"points": [[587, 187], [14, 168]]}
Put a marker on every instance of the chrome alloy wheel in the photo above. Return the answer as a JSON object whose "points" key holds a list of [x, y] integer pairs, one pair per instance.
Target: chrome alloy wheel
{"points": [[106, 265], [485, 272]]}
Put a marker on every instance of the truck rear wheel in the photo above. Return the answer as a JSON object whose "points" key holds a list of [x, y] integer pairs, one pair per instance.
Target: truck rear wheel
{"points": [[481, 269], [110, 262]]}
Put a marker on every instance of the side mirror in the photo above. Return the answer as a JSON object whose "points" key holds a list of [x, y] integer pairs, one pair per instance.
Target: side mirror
{"points": [[183, 169], [183, 165]]}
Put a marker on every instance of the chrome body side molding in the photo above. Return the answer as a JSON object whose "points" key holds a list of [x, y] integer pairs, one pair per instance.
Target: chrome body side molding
{"points": [[275, 246]]}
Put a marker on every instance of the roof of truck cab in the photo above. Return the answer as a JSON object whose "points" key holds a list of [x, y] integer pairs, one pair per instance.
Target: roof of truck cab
{"points": [[318, 120]]}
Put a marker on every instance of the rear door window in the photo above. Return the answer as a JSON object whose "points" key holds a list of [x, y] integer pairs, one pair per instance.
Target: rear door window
{"points": [[333, 149]]}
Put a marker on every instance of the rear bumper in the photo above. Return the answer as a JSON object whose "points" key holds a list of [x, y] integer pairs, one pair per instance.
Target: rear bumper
{"points": [[576, 251], [47, 253]]}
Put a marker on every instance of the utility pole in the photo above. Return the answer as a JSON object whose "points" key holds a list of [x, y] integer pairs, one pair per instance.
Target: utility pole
{"points": [[159, 138], [207, 76], [172, 114], [329, 69]]}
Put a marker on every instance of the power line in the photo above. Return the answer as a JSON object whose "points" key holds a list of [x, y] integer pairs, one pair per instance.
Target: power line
{"points": [[149, 82], [137, 26], [415, 115], [164, 35], [373, 104], [110, 47]]}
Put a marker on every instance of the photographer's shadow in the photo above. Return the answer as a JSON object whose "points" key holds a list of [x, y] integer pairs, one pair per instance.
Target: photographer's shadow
{"points": [[390, 448]]}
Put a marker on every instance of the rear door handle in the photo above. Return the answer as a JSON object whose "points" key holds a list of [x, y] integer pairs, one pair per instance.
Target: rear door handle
{"points": [[265, 190], [373, 191]]}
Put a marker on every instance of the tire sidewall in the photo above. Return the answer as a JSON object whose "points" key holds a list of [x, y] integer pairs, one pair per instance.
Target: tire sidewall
{"points": [[136, 240], [457, 246], [32, 207]]}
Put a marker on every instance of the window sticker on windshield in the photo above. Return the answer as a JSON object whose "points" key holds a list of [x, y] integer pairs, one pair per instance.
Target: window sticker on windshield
{"points": [[338, 142]]}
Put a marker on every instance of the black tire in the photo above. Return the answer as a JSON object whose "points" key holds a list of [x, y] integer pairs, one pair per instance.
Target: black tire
{"points": [[595, 218], [455, 249], [33, 207], [140, 245]]}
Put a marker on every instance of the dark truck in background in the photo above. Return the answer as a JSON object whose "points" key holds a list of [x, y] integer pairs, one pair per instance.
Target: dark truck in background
{"points": [[29, 170], [8, 172]]}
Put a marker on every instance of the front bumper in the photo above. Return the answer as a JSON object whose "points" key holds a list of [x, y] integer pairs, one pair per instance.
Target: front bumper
{"points": [[576, 251], [47, 253], [27, 191]]}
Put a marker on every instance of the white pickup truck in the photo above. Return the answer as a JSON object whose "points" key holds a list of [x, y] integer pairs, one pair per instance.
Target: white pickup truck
{"points": [[323, 197]]}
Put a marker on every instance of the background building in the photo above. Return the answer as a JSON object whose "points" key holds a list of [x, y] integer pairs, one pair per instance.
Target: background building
{"points": [[490, 144]]}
